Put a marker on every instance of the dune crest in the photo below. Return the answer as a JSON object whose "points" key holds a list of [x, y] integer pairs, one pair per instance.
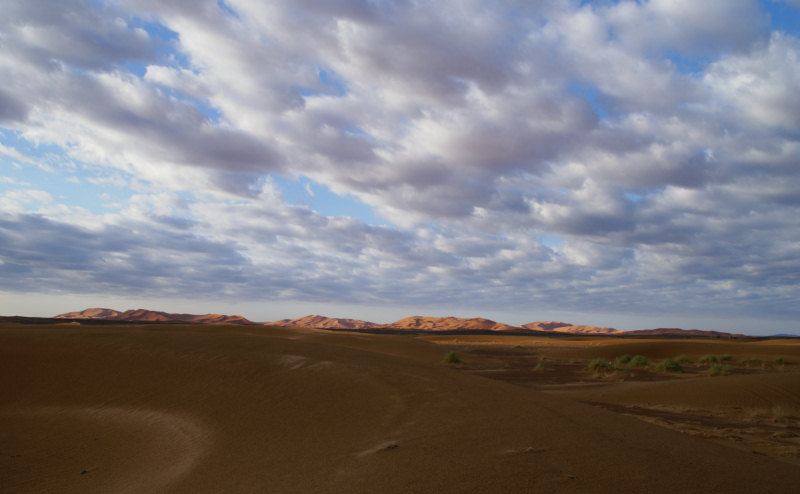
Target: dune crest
{"points": [[684, 332], [315, 321], [144, 315], [450, 324], [563, 327], [414, 323]]}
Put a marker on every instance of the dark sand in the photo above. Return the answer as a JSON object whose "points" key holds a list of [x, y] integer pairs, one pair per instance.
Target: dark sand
{"points": [[250, 409]]}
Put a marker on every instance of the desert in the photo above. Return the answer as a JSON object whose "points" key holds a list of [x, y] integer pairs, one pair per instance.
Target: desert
{"points": [[126, 406], [388, 246]]}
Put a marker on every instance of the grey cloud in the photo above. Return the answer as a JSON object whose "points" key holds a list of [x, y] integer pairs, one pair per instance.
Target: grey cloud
{"points": [[463, 124], [694, 28], [58, 256], [11, 109], [81, 33]]}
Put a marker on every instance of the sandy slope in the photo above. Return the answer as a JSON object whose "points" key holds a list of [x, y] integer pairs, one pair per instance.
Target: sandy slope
{"points": [[250, 409], [144, 315]]}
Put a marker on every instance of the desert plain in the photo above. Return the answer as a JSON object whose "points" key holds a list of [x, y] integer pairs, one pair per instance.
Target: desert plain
{"points": [[195, 408]]}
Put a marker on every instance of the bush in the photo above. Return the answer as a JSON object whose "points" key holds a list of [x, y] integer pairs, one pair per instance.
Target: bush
{"points": [[782, 412], [452, 358], [726, 357], [717, 370], [682, 359], [622, 361], [709, 359], [598, 365], [779, 360], [639, 361], [669, 365], [539, 366]]}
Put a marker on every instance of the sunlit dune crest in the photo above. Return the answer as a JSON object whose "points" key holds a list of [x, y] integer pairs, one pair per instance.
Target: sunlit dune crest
{"points": [[450, 323], [314, 321], [562, 327], [413, 323], [144, 315]]}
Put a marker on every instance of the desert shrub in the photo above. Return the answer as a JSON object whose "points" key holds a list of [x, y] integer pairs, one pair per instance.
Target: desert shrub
{"points": [[781, 412], [622, 361], [539, 366], [598, 365], [452, 358], [749, 360], [726, 357], [716, 370], [682, 359], [639, 361], [669, 365], [709, 359], [779, 360]]}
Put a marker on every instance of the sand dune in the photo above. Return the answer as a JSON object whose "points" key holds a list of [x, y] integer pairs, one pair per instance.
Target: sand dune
{"points": [[144, 315], [563, 327], [684, 332], [315, 321], [439, 324], [450, 324], [414, 323], [256, 409]]}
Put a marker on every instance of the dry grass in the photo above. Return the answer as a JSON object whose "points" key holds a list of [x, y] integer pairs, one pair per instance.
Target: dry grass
{"points": [[782, 412], [452, 358], [709, 359]]}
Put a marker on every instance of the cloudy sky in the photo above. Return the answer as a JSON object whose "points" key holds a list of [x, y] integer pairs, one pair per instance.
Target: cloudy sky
{"points": [[621, 163]]}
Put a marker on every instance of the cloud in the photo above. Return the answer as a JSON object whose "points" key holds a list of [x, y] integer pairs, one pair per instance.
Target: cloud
{"points": [[624, 154], [10, 109], [695, 28], [757, 85], [78, 33]]}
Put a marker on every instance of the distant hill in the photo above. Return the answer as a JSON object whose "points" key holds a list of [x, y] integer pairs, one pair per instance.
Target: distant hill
{"points": [[414, 323], [143, 315], [422, 323], [563, 327], [683, 332], [314, 321]]}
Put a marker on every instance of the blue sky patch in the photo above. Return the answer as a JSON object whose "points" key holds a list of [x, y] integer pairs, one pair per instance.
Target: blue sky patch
{"points": [[305, 192], [591, 94], [783, 17], [70, 183]]}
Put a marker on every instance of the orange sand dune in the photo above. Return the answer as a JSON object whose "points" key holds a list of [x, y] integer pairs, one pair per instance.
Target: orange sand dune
{"points": [[450, 324], [563, 327], [144, 315], [195, 409], [315, 321]]}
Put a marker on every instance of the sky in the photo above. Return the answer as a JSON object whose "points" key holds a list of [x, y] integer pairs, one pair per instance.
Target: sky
{"points": [[633, 164]]}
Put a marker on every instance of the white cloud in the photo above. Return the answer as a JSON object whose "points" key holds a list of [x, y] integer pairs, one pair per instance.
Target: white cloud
{"points": [[476, 130], [759, 85]]}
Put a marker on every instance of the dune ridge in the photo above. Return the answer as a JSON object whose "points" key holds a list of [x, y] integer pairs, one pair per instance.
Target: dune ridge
{"points": [[450, 323], [144, 315], [563, 327], [315, 321], [415, 323], [683, 332]]}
